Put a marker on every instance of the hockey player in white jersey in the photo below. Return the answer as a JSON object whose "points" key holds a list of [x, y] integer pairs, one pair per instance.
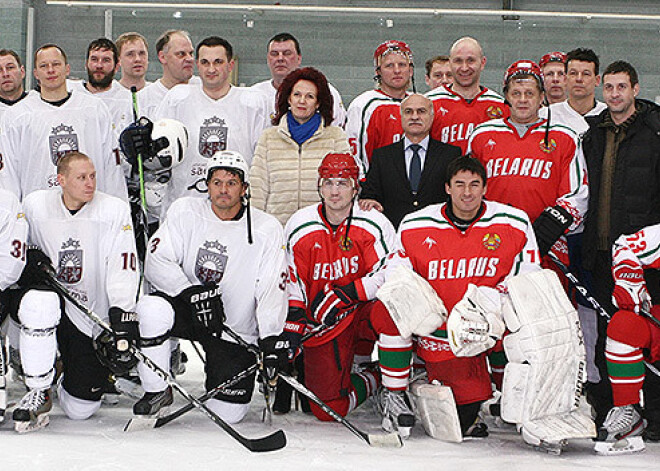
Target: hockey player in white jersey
{"points": [[215, 265], [285, 56], [36, 132], [12, 73], [13, 238], [217, 115], [89, 237], [175, 53]]}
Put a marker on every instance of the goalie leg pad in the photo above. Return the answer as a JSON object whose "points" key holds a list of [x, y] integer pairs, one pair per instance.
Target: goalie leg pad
{"points": [[39, 314], [546, 369], [437, 411], [156, 317], [412, 303]]}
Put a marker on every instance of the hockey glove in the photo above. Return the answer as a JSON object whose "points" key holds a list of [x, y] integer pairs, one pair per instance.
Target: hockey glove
{"points": [[38, 268], [206, 306], [630, 291], [331, 301], [136, 140], [294, 327], [126, 328], [275, 354], [551, 224]]}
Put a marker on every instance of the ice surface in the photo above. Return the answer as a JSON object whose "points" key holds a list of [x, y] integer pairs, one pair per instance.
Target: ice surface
{"points": [[194, 442]]}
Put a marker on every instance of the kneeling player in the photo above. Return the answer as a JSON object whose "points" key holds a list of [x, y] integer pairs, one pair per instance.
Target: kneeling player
{"points": [[89, 235], [13, 234], [332, 247], [214, 266], [631, 339]]}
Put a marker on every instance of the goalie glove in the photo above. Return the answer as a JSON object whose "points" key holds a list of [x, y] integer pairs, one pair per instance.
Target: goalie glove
{"points": [[630, 293], [206, 305], [331, 301], [551, 224], [275, 356], [136, 140], [475, 323], [38, 268]]}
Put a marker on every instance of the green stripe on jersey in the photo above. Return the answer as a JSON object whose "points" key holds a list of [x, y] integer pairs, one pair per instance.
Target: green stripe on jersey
{"points": [[299, 228]]}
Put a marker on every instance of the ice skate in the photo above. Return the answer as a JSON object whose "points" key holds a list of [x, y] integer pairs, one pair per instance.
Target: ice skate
{"points": [[153, 402], [397, 411], [621, 433], [178, 361], [31, 413]]}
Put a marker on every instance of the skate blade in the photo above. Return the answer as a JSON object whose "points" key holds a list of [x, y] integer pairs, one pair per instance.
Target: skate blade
{"points": [[28, 426], [145, 422], [625, 446]]}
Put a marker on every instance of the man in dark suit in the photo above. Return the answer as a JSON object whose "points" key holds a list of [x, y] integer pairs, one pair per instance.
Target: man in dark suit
{"points": [[410, 174]]}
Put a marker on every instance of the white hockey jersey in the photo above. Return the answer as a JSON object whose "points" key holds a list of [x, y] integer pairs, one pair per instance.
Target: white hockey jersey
{"points": [[338, 112], [563, 113], [35, 134], [233, 122], [93, 251], [194, 246], [150, 97], [13, 239], [118, 100]]}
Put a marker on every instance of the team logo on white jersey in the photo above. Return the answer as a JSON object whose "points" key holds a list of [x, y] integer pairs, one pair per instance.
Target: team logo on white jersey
{"points": [[430, 242], [213, 135], [211, 262], [70, 262], [491, 143], [62, 140]]}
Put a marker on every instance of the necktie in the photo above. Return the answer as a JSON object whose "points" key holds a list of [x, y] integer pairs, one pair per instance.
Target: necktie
{"points": [[415, 173]]}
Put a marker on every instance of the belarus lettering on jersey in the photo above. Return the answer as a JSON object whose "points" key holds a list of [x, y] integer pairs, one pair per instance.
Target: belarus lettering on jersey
{"points": [[639, 249], [528, 174], [317, 255], [455, 118], [373, 120], [498, 245]]}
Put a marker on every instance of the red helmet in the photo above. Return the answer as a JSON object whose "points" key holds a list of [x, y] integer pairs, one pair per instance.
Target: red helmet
{"points": [[524, 67], [391, 46], [339, 166], [556, 56]]}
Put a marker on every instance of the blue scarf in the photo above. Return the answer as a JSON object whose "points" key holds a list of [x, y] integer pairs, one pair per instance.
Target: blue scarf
{"points": [[301, 132]]}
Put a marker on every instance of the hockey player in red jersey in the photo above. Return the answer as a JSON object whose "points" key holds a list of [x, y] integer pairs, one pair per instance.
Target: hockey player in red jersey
{"points": [[373, 119], [631, 340], [532, 164], [465, 249], [331, 248], [465, 104]]}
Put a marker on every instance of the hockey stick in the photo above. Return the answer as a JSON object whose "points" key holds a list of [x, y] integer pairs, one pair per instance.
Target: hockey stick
{"points": [[380, 440], [595, 304], [147, 423], [583, 291], [271, 442], [143, 198]]}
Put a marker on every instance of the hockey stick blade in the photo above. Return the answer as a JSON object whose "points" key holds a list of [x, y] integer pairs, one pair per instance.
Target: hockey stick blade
{"points": [[147, 422], [274, 441], [392, 440]]}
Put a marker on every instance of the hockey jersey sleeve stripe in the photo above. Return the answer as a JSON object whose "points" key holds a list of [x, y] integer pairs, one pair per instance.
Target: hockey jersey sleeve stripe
{"points": [[296, 233]]}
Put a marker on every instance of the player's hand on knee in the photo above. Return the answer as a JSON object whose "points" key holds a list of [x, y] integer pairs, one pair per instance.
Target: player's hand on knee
{"points": [[630, 291], [275, 356], [206, 305], [126, 328], [38, 267], [331, 301], [136, 140], [551, 224]]}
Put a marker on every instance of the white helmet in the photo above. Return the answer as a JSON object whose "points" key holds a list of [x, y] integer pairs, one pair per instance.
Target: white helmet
{"points": [[171, 137], [228, 159]]}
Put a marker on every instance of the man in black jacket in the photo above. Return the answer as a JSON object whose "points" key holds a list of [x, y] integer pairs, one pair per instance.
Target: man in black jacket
{"points": [[410, 174], [622, 150]]}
